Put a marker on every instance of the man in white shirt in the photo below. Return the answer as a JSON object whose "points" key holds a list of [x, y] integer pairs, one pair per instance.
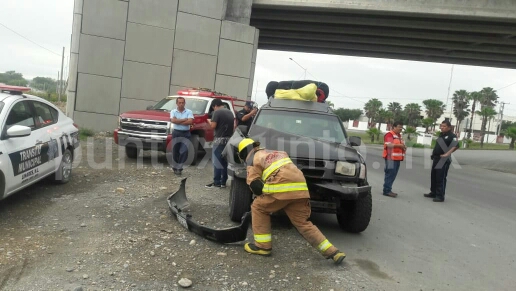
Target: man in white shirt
{"points": [[181, 118]]}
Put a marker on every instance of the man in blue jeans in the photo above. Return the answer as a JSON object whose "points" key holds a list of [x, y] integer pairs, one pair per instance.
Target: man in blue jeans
{"points": [[181, 119], [393, 152], [223, 121]]}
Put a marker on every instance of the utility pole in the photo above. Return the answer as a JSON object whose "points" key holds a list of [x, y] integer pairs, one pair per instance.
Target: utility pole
{"points": [[449, 87], [61, 80], [57, 83], [502, 105]]}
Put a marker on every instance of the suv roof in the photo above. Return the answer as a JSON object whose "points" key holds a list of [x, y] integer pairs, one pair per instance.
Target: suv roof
{"points": [[296, 105]]}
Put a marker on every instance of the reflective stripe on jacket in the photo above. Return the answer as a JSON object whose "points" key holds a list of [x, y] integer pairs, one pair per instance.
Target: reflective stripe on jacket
{"points": [[395, 154], [281, 177]]}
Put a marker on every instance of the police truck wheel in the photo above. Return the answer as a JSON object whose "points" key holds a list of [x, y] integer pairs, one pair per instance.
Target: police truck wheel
{"points": [[193, 150], [64, 172], [240, 197], [131, 152], [354, 216]]}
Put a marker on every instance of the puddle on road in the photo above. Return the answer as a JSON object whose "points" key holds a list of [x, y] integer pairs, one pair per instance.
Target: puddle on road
{"points": [[372, 269]]}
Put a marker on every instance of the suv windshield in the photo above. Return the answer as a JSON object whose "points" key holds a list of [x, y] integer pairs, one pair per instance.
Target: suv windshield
{"points": [[198, 106], [318, 126]]}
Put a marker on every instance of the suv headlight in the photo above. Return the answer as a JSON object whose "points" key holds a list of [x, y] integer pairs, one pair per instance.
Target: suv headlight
{"points": [[345, 168], [170, 128]]}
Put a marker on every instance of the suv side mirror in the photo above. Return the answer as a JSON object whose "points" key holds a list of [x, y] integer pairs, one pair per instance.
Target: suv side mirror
{"points": [[355, 141]]}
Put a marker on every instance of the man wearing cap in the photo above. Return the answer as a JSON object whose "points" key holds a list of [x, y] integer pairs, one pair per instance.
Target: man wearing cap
{"points": [[279, 185], [393, 152], [246, 115], [223, 122]]}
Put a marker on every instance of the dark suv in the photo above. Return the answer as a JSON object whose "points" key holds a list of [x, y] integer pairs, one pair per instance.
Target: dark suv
{"points": [[317, 143]]}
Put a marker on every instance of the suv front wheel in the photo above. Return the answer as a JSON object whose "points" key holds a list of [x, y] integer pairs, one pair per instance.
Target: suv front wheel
{"points": [[131, 152], [354, 216], [240, 197]]}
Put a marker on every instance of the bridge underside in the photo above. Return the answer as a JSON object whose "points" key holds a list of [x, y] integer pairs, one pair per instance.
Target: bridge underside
{"points": [[405, 36]]}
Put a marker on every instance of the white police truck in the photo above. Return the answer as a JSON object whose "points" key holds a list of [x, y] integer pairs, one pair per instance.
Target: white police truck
{"points": [[37, 140]]}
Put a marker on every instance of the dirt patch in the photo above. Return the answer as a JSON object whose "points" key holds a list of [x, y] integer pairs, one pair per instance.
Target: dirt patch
{"points": [[110, 229]]}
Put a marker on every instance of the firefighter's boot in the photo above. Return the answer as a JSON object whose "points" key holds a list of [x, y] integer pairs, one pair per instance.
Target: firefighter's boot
{"points": [[253, 249], [338, 257]]}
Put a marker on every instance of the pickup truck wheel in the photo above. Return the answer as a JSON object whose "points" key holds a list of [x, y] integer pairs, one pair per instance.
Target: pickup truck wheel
{"points": [[131, 152], [240, 197], [354, 216], [193, 150]]}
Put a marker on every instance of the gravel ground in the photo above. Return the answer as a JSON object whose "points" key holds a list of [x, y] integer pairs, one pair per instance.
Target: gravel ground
{"points": [[110, 229]]}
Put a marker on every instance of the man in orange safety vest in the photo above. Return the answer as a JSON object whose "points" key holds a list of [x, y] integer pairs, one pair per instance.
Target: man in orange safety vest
{"points": [[393, 152]]}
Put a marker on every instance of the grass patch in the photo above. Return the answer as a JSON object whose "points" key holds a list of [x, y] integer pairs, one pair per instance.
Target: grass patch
{"points": [[84, 133], [366, 139], [487, 146]]}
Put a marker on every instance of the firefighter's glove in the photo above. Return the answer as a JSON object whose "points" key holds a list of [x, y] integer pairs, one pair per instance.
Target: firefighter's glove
{"points": [[256, 187]]}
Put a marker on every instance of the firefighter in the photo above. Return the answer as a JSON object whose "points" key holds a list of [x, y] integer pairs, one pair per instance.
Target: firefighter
{"points": [[393, 153], [279, 184]]}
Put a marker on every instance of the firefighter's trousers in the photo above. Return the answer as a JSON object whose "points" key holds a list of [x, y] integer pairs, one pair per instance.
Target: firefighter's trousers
{"points": [[298, 211]]}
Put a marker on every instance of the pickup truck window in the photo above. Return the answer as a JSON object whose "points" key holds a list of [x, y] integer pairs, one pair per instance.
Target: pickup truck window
{"points": [[318, 126], [1, 106], [198, 106]]}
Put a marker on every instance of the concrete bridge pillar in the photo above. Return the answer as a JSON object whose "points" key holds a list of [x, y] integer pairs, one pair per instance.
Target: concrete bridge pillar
{"points": [[128, 54]]}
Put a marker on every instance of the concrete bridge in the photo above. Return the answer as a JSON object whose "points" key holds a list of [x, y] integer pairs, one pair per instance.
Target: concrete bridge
{"points": [[469, 32], [127, 54]]}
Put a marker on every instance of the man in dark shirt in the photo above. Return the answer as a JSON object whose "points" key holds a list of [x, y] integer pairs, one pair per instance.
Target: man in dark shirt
{"points": [[445, 145], [223, 121], [246, 115]]}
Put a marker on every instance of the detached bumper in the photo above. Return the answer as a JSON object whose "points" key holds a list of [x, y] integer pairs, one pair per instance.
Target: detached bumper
{"points": [[344, 192], [177, 202]]}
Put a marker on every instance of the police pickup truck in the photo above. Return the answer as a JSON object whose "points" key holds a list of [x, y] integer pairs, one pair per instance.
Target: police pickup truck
{"points": [[37, 140]]}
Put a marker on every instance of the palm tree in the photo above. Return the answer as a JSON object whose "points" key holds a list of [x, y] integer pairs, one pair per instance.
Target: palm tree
{"points": [[486, 113], [511, 133], [383, 116], [413, 113], [371, 109], [488, 100], [475, 97], [372, 132], [434, 108], [409, 130], [427, 122], [460, 106], [331, 104], [396, 110]]}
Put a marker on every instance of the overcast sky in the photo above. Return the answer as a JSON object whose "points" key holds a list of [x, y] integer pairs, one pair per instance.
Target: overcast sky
{"points": [[352, 80]]}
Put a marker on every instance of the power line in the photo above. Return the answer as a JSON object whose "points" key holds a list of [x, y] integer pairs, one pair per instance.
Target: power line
{"points": [[506, 86], [31, 40]]}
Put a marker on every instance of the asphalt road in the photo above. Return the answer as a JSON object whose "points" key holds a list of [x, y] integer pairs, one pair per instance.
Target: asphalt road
{"points": [[466, 243]]}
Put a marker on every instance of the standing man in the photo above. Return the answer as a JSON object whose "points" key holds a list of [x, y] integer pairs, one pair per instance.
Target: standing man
{"points": [[181, 119], [445, 145], [393, 152], [279, 184], [246, 115], [223, 122]]}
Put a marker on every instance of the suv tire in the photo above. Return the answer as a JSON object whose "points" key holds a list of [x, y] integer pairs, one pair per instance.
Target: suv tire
{"points": [[240, 197], [354, 216], [131, 152]]}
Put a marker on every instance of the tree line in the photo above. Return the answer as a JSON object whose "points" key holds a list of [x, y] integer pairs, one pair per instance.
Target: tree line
{"points": [[46, 87], [480, 103]]}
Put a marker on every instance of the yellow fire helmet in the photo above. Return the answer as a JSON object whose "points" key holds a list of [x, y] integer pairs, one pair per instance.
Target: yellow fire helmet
{"points": [[245, 143]]}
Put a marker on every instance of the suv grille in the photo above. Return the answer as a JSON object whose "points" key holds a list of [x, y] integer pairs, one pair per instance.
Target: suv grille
{"points": [[306, 163], [143, 126]]}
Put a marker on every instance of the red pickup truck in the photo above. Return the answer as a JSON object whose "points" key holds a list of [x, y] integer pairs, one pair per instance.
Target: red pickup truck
{"points": [[151, 129]]}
